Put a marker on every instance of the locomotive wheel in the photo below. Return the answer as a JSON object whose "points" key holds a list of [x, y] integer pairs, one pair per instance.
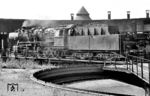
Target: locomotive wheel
{"points": [[83, 56], [63, 54], [50, 54], [55, 53]]}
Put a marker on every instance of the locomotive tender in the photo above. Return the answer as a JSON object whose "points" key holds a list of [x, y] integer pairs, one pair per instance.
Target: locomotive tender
{"points": [[86, 46]]}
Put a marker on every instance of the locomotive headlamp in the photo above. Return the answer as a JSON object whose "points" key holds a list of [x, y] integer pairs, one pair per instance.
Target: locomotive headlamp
{"points": [[4, 33]]}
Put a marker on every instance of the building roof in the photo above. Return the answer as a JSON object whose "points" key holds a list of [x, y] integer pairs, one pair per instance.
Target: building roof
{"points": [[83, 11], [55, 23], [82, 14]]}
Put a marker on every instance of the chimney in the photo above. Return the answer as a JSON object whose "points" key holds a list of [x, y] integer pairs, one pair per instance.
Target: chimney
{"points": [[109, 15], [72, 16], [128, 14], [147, 13]]}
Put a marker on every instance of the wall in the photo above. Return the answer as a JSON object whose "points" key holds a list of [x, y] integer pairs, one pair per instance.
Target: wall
{"points": [[123, 25]]}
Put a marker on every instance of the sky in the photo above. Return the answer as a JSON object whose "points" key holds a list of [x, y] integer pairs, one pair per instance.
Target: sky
{"points": [[61, 9]]}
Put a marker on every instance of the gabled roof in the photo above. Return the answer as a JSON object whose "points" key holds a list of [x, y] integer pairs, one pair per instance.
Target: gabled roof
{"points": [[83, 11]]}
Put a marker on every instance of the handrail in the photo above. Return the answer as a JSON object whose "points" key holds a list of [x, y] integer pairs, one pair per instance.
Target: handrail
{"points": [[138, 57], [138, 66]]}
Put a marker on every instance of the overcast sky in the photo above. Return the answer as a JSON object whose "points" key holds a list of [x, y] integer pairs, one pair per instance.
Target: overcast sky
{"points": [[61, 9]]}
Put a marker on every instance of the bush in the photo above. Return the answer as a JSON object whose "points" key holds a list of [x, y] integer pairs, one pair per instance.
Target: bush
{"points": [[23, 64]]}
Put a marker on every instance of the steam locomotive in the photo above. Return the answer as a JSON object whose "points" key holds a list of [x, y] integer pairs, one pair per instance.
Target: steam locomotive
{"points": [[75, 41]]}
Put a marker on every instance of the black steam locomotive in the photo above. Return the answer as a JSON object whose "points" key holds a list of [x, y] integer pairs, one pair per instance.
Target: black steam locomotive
{"points": [[78, 41]]}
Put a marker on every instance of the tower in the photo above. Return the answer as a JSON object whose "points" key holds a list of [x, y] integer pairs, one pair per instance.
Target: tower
{"points": [[82, 14]]}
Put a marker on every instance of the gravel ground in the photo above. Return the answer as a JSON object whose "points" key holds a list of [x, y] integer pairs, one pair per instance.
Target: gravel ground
{"points": [[26, 86], [109, 85]]}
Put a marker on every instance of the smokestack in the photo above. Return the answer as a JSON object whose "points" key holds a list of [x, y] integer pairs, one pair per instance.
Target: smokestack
{"points": [[72, 16], [128, 14], [109, 15], [147, 13]]}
